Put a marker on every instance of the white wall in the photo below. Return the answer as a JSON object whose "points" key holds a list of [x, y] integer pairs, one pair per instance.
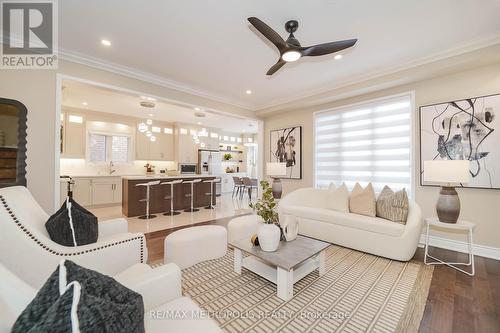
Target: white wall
{"points": [[481, 206]]}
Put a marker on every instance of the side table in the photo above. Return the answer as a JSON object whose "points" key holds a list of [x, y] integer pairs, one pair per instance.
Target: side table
{"points": [[460, 225]]}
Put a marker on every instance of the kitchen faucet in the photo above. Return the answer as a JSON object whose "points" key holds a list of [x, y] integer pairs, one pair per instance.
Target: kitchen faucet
{"points": [[111, 170]]}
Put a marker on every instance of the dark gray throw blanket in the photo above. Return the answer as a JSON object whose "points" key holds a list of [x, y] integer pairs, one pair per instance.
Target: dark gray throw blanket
{"points": [[76, 299]]}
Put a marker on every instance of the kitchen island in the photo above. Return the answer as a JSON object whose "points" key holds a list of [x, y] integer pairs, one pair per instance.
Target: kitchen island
{"points": [[132, 194]]}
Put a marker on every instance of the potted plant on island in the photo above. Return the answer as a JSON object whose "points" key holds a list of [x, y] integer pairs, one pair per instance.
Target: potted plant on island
{"points": [[269, 232]]}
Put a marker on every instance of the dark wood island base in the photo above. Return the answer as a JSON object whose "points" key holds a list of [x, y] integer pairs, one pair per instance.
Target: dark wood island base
{"points": [[132, 194]]}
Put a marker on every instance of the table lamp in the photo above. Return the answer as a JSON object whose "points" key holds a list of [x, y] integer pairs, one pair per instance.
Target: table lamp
{"points": [[275, 170], [447, 172]]}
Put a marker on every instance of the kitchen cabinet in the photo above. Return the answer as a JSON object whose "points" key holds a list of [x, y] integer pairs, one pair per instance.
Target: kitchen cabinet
{"points": [[160, 150], [186, 149], [73, 137], [90, 191], [106, 191], [141, 146], [81, 191]]}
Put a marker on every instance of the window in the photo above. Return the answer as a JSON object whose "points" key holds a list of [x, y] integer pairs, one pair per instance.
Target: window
{"points": [[103, 148], [369, 142]]}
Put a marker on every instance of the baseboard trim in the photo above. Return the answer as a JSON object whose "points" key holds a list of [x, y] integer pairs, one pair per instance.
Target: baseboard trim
{"points": [[460, 246]]}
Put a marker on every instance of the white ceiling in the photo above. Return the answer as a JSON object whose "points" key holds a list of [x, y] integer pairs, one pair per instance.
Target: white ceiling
{"points": [[127, 104], [209, 47]]}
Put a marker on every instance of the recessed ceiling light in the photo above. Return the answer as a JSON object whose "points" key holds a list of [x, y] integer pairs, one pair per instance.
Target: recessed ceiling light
{"points": [[150, 114], [199, 123], [197, 109], [85, 103], [338, 57], [249, 92], [105, 42]]}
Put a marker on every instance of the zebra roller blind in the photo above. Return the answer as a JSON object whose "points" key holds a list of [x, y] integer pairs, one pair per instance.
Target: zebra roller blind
{"points": [[369, 142]]}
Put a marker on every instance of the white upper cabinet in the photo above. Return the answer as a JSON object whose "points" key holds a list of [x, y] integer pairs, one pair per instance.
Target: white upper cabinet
{"points": [[73, 136]]}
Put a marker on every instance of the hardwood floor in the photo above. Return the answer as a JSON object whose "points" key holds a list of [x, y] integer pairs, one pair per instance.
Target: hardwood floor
{"points": [[456, 302], [460, 303]]}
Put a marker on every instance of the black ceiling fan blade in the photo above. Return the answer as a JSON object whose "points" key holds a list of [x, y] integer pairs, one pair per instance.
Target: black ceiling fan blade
{"points": [[275, 67], [327, 48], [269, 33]]}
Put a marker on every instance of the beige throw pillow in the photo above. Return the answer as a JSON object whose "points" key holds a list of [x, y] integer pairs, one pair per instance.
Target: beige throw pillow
{"points": [[362, 201], [338, 198], [393, 206]]}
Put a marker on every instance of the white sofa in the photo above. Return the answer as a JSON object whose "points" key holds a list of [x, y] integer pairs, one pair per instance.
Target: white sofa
{"points": [[27, 250], [160, 288], [363, 233]]}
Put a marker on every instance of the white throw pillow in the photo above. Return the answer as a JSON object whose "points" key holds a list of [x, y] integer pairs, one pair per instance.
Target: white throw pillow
{"points": [[338, 198]]}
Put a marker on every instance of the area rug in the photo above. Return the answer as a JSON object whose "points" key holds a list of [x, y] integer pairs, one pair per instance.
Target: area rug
{"points": [[359, 293]]}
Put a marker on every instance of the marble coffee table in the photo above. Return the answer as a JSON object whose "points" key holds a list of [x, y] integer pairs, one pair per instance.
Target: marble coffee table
{"points": [[286, 266]]}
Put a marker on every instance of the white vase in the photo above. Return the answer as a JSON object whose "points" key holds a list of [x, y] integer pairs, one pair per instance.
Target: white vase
{"points": [[290, 227], [269, 237]]}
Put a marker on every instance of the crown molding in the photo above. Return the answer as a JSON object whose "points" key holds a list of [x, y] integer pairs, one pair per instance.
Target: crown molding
{"points": [[279, 104], [115, 68]]}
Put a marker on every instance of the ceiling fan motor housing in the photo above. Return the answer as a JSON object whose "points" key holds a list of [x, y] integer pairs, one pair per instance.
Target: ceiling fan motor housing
{"points": [[292, 26]]}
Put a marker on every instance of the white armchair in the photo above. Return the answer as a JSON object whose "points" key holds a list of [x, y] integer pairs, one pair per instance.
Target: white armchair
{"points": [[27, 250]]}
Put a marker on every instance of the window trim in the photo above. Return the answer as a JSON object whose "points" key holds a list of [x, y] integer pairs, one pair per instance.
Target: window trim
{"points": [[413, 149], [108, 153]]}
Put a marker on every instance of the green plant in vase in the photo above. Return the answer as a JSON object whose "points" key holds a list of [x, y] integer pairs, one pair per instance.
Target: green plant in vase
{"points": [[269, 233], [227, 156], [265, 207]]}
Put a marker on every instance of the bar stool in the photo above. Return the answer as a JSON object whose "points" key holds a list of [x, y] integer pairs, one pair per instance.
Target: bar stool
{"points": [[171, 197], [211, 193], [192, 182], [147, 199]]}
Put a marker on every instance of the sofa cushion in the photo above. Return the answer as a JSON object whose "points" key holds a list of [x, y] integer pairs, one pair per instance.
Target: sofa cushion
{"points": [[372, 224], [338, 198], [393, 206], [179, 315], [362, 200]]}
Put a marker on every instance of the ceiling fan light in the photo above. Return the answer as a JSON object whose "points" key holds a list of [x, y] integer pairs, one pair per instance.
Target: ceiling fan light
{"points": [[290, 56]]}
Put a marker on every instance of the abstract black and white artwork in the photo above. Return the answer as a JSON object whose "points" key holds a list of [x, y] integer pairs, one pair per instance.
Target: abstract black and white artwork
{"points": [[286, 147], [464, 130]]}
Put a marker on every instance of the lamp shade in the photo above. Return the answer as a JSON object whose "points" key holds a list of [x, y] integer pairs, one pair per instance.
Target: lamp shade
{"points": [[276, 169], [447, 171]]}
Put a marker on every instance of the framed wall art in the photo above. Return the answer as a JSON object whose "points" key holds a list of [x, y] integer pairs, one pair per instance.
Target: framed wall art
{"points": [[464, 129], [286, 147]]}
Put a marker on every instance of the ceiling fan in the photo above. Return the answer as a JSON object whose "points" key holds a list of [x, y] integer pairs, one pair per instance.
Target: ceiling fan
{"points": [[291, 50]]}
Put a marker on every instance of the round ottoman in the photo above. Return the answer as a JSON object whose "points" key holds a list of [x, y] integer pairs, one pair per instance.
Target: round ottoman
{"points": [[190, 246], [243, 227]]}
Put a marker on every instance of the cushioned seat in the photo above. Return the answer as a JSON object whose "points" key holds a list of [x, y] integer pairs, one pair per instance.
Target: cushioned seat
{"points": [[372, 224], [189, 246]]}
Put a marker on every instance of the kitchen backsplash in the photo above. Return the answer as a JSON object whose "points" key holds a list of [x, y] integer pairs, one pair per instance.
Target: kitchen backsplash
{"points": [[80, 167]]}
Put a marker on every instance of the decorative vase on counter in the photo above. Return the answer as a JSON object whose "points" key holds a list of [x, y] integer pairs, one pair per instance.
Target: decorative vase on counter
{"points": [[269, 237]]}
